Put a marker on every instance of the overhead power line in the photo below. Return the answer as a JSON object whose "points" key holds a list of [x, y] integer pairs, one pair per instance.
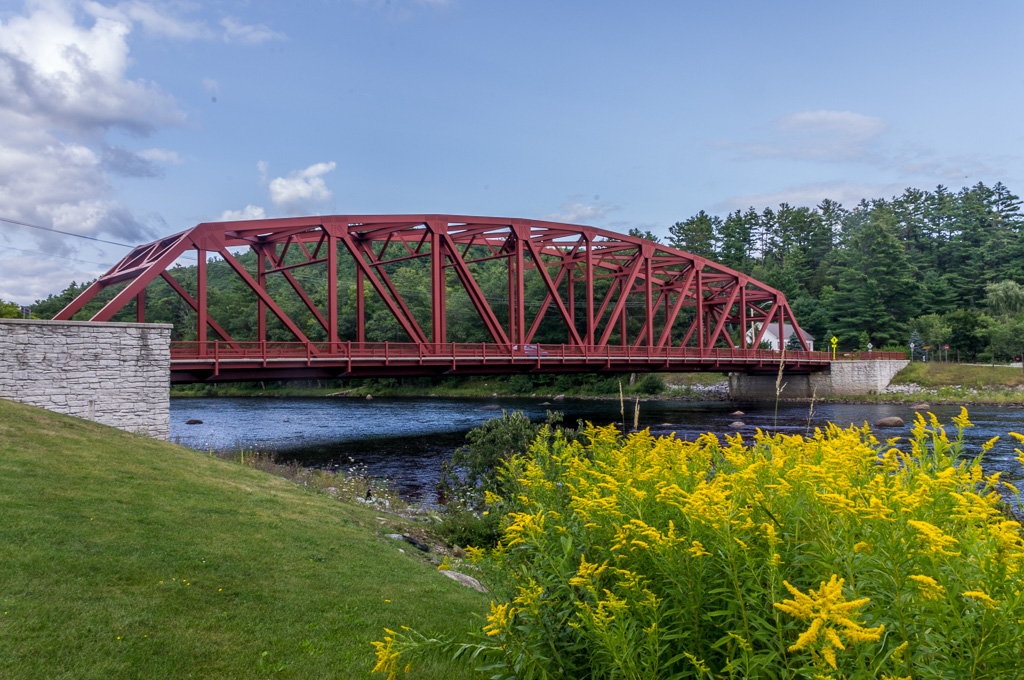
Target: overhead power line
{"points": [[68, 233], [65, 233], [63, 257]]}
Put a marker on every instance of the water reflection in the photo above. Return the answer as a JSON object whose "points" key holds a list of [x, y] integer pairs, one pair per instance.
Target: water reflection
{"points": [[406, 440]]}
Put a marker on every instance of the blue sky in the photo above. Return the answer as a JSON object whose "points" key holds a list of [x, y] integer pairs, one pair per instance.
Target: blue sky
{"points": [[126, 121]]}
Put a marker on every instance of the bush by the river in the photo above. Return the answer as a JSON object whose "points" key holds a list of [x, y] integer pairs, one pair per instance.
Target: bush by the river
{"points": [[827, 556]]}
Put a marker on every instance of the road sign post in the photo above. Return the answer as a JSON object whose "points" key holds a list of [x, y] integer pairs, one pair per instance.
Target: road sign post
{"points": [[835, 341]]}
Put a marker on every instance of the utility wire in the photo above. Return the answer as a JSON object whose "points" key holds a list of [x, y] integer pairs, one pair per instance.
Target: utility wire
{"points": [[66, 233], [63, 257]]}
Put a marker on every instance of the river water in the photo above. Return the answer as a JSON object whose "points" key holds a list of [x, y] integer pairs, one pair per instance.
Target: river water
{"points": [[406, 439]]}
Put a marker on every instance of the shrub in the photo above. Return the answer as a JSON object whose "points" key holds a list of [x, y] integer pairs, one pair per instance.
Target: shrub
{"points": [[473, 468], [464, 527], [832, 556], [652, 383], [520, 383]]}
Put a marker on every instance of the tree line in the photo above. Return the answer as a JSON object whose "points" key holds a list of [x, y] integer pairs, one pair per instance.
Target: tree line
{"points": [[936, 267], [939, 267]]}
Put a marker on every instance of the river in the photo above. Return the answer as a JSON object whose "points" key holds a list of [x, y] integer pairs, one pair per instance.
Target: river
{"points": [[406, 439]]}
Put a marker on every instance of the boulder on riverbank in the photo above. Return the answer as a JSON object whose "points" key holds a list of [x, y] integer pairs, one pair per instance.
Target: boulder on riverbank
{"points": [[467, 581]]}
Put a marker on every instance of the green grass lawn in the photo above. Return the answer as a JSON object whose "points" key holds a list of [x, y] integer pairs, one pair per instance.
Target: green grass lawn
{"points": [[125, 557], [937, 374]]}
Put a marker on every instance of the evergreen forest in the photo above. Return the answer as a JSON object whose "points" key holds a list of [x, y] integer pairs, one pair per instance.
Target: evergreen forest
{"points": [[935, 268]]}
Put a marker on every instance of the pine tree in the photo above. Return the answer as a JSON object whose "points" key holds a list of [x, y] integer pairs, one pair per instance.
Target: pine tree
{"points": [[736, 242], [697, 235]]}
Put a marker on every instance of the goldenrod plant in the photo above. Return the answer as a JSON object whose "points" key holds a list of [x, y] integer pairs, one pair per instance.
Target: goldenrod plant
{"points": [[828, 556]]}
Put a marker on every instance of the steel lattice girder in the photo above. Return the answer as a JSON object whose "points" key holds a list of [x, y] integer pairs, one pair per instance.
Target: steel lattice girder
{"points": [[563, 256]]}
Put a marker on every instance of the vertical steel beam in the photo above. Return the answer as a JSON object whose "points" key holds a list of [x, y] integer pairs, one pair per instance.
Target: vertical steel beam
{"points": [[699, 321], [743, 313], [649, 307], [437, 281], [512, 298], [782, 336], [589, 288], [571, 288], [332, 289], [520, 335], [667, 332], [623, 339], [203, 313], [261, 283], [360, 310]]}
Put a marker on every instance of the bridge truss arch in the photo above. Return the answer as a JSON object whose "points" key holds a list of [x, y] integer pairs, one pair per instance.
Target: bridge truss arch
{"points": [[610, 293]]}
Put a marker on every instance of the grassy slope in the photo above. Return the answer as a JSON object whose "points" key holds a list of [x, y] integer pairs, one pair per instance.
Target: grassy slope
{"points": [[131, 558], [935, 374]]}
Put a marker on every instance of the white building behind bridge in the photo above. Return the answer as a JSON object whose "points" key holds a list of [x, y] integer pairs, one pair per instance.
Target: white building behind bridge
{"points": [[771, 335]]}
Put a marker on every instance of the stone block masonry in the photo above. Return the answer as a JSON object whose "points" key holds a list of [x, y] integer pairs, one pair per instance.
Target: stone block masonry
{"points": [[116, 374], [844, 379]]}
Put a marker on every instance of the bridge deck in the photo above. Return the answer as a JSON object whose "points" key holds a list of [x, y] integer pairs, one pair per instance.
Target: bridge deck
{"points": [[234, 361]]}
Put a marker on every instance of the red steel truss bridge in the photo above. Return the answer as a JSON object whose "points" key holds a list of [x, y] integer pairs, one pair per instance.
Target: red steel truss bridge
{"points": [[621, 303]]}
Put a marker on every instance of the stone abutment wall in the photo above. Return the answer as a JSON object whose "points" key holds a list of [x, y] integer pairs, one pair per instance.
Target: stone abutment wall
{"points": [[116, 374], [844, 379]]}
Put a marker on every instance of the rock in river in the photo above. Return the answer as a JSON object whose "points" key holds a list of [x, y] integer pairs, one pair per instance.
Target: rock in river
{"points": [[891, 421]]}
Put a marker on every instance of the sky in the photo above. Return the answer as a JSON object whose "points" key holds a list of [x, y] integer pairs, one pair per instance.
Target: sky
{"points": [[122, 122]]}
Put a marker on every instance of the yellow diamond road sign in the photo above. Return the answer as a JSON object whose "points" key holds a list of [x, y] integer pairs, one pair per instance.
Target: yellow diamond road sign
{"points": [[835, 340]]}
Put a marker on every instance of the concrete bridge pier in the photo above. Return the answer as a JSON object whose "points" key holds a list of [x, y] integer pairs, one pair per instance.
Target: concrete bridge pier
{"points": [[842, 379]]}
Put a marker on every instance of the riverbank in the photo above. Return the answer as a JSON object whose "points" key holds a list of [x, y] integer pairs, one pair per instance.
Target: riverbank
{"points": [[931, 382], [135, 558], [686, 386]]}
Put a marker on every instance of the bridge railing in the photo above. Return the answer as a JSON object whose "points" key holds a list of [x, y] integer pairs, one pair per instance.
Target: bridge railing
{"points": [[267, 351]]}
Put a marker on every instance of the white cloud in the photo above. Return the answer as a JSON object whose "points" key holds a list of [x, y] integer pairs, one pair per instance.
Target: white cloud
{"points": [[302, 189], [63, 87], [32, 276], [160, 156], [155, 19], [237, 32], [249, 212], [212, 87], [575, 211], [826, 136], [810, 195]]}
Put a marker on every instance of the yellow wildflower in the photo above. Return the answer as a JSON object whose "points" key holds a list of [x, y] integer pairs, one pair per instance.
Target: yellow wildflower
{"points": [[935, 541], [831, 617], [981, 596], [962, 421], [387, 657], [499, 619], [930, 588], [697, 549], [588, 572], [861, 547]]}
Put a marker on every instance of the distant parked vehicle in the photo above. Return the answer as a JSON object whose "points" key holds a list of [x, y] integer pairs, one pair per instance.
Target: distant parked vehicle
{"points": [[530, 350]]}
